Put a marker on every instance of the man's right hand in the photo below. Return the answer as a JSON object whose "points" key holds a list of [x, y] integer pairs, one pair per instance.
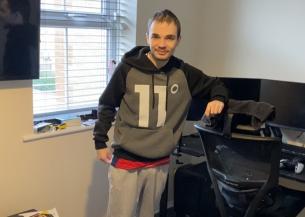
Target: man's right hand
{"points": [[104, 155]]}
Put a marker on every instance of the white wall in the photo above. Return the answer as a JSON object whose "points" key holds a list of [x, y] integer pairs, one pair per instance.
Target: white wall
{"points": [[59, 172], [240, 38], [254, 38]]}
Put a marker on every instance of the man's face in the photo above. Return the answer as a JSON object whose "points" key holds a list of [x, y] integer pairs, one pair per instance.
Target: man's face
{"points": [[4, 8], [162, 40]]}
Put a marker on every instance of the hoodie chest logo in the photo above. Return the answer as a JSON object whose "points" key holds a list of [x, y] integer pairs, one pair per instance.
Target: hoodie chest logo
{"points": [[174, 88], [144, 94]]}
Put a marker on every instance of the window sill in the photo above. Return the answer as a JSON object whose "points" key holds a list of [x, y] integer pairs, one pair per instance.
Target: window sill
{"points": [[67, 131]]}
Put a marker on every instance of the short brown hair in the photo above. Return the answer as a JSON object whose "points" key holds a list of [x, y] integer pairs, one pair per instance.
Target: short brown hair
{"points": [[165, 16]]}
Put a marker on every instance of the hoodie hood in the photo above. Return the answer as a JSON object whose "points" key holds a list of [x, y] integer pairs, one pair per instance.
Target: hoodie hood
{"points": [[137, 58]]}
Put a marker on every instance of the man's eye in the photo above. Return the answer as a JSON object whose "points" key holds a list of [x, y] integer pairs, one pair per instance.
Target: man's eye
{"points": [[171, 38]]}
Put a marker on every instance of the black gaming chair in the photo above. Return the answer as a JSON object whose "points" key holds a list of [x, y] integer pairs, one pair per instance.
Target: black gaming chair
{"points": [[243, 168]]}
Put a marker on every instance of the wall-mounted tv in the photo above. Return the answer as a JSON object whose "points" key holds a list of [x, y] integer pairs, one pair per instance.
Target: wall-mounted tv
{"points": [[19, 39]]}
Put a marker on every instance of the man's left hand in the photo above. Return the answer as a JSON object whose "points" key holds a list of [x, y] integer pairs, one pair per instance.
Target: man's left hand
{"points": [[213, 108]]}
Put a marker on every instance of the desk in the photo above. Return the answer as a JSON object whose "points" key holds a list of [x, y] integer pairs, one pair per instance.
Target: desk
{"points": [[190, 145], [293, 183]]}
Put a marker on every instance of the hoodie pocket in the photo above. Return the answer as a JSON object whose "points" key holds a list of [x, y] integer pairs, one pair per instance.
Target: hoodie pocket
{"points": [[147, 143]]}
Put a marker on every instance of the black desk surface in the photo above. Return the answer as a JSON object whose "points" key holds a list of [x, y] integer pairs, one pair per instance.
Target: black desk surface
{"points": [[191, 145]]}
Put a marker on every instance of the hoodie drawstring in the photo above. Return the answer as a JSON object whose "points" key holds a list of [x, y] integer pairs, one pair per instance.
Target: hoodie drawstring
{"points": [[153, 90], [167, 79]]}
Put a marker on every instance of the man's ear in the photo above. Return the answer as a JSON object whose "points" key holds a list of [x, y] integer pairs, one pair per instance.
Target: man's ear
{"points": [[147, 37]]}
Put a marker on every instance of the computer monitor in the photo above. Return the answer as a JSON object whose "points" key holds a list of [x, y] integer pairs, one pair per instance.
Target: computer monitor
{"points": [[239, 89], [196, 109], [287, 97], [242, 88], [289, 101]]}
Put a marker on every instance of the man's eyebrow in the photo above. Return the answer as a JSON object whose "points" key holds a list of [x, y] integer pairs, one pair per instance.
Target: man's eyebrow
{"points": [[170, 36], [155, 34], [167, 36]]}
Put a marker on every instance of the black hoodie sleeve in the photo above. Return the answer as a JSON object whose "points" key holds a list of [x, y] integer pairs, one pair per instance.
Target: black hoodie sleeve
{"points": [[108, 102], [204, 87]]}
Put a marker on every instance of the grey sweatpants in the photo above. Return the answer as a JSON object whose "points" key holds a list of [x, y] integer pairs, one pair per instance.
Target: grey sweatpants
{"points": [[135, 193]]}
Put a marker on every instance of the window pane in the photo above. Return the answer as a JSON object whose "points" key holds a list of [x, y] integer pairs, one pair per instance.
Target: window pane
{"points": [[73, 69], [83, 6], [49, 90], [88, 6], [52, 5], [78, 53], [87, 51]]}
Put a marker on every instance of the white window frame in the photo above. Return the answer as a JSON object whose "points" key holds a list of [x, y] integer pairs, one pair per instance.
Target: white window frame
{"points": [[66, 19]]}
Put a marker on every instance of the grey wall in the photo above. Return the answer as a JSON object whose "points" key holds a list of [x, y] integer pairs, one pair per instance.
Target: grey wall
{"points": [[241, 38]]}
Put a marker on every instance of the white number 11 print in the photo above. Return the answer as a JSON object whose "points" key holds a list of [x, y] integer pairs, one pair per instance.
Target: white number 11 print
{"points": [[144, 99]]}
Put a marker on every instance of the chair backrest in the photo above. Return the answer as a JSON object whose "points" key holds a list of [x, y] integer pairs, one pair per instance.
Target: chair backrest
{"points": [[243, 168]]}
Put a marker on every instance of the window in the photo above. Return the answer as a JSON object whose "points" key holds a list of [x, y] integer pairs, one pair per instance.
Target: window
{"points": [[80, 44]]}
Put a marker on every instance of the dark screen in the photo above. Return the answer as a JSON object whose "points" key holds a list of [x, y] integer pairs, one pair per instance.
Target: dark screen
{"points": [[19, 39], [242, 88], [287, 97], [239, 89], [289, 101], [196, 109]]}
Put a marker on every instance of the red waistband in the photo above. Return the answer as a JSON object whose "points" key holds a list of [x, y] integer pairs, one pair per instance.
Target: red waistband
{"points": [[129, 165]]}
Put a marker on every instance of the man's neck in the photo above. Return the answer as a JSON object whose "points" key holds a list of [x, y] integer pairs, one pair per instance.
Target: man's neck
{"points": [[158, 63]]}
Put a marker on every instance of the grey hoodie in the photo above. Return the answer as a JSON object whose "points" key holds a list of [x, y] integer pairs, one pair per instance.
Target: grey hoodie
{"points": [[153, 104]]}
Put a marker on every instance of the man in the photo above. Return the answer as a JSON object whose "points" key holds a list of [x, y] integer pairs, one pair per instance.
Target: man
{"points": [[153, 90]]}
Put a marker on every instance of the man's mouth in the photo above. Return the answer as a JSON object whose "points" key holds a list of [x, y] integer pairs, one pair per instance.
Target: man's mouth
{"points": [[162, 52]]}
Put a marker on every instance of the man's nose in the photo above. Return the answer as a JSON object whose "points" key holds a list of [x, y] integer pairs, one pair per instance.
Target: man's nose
{"points": [[162, 43]]}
